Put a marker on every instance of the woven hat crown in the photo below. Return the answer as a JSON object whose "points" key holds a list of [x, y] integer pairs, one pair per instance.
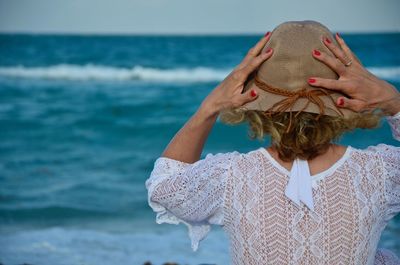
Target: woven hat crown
{"points": [[281, 81]]}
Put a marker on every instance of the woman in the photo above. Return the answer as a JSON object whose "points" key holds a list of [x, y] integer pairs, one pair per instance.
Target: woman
{"points": [[303, 200]]}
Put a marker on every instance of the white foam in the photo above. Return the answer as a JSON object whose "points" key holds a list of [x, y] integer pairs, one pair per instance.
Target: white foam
{"points": [[388, 73], [99, 72]]}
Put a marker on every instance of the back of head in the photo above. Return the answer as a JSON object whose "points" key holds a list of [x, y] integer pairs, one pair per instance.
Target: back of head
{"points": [[281, 83]]}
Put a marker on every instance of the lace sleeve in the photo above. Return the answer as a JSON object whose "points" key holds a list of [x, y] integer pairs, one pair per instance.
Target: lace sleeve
{"points": [[390, 156], [190, 193], [386, 257], [394, 123]]}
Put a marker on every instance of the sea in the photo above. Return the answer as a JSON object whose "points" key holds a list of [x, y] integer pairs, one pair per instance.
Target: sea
{"points": [[82, 120]]}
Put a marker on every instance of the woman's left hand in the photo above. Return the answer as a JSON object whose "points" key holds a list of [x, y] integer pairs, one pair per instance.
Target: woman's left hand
{"points": [[228, 94], [365, 91]]}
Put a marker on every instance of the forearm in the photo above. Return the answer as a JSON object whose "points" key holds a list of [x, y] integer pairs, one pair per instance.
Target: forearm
{"points": [[188, 142]]}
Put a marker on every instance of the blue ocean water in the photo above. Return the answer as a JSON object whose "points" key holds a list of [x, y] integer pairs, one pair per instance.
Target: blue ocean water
{"points": [[83, 119]]}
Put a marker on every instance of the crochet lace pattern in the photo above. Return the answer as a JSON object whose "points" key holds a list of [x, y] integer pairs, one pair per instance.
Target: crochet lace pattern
{"points": [[244, 193]]}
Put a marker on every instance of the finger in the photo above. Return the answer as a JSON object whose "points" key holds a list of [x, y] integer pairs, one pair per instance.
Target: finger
{"points": [[338, 52], [330, 61], [346, 48], [256, 49], [352, 104], [332, 84], [256, 62], [246, 97]]}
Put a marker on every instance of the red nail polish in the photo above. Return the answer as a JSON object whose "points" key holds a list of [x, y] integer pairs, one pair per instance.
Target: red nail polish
{"points": [[311, 80], [266, 34], [337, 34], [268, 50], [253, 93], [328, 40], [316, 52], [341, 101]]}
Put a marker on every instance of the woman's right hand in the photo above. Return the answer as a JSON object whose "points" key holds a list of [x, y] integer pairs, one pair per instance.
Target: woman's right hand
{"points": [[365, 90], [228, 94]]}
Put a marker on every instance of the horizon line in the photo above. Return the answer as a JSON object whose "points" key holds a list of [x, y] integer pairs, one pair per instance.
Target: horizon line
{"points": [[183, 34]]}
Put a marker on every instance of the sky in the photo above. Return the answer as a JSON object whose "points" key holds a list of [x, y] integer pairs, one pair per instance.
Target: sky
{"points": [[193, 17]]}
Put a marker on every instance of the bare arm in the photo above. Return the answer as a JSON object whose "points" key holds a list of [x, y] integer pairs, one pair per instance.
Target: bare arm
{"points": [[188, 143]]}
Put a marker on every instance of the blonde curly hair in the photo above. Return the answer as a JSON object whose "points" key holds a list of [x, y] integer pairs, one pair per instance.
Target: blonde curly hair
{"points": [[307, 137]]}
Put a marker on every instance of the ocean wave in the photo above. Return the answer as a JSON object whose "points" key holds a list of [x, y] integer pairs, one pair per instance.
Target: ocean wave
{"points": [[53, 213], [99, 72], [91, 243], [388, 73]]}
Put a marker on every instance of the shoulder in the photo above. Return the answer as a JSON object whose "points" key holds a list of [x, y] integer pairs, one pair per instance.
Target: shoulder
{"points": [[234, 154], [379, 148], [381, 151], [236, 158], [223, 155], [251, 160]]}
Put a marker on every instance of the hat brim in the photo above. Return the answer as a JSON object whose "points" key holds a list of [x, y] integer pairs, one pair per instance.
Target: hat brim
{"points": [[266, 100]]}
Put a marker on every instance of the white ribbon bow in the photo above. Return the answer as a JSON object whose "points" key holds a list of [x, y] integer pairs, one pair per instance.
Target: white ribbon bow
{"points": [[299, 187]]}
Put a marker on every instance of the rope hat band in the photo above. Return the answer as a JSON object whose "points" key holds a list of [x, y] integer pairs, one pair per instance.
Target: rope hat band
{"points": [[312, 95], [281, 81]]}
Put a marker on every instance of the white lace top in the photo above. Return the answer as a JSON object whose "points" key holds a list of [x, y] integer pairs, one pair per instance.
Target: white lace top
{"points": [[245, 193]]}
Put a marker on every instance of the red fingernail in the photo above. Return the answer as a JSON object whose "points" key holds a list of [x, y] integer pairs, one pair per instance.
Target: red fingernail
{"points": [[311, 80], [328, 40], [266, 34], [337, 34], [341, 101], [268, 50], [316, 52], [253, 93]]}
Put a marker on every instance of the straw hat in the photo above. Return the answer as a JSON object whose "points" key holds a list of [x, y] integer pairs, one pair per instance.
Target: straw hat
{"points": [[282, 81]]}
